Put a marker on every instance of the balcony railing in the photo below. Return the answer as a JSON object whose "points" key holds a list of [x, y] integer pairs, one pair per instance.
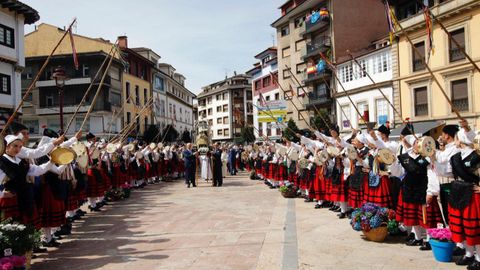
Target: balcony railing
{"points": [[317, 47], [461, 104], [317, 76], [456, 54], [418, 64]]}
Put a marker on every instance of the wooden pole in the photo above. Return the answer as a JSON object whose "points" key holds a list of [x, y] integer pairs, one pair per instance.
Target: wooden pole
{"points": [[32, 84]]}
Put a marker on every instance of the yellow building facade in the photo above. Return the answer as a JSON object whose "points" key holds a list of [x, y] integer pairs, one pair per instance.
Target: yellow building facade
{"points": [[139, 92], [421, 99]]}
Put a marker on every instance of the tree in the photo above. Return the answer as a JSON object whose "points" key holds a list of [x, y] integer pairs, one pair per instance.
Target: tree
{"points": [[151, 133], [186, 138], [318, 123], [170, 134], [288, 134], [247, 134]]}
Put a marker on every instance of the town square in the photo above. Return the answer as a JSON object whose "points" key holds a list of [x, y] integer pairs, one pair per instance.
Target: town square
{"points": [[273, 134]]}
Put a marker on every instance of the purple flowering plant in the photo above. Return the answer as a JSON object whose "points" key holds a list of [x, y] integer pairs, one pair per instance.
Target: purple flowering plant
{"points": [[440, 234], [371, 216]]}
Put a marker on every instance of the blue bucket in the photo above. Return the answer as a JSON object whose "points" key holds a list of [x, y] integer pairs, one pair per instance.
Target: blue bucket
{"points": [[442, 251]]}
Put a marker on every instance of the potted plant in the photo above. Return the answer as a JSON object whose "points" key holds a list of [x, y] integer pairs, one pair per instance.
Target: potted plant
{"points": [[374, 221], [18, 239], [288, 191], [13, 263], [441, 243]]}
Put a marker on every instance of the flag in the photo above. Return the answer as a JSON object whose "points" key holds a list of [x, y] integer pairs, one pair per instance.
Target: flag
{"points": [[263, 102], [74, 51], [391, 27], [329, 64], [429, 28], [291, 90]]}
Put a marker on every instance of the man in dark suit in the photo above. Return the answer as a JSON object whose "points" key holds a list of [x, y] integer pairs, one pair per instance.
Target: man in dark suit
{"points": [[232, 160], [190, 159], [217, 166]]}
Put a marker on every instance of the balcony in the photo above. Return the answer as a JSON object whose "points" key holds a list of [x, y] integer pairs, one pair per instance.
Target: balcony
{"points": [[315, 100], [314, 49], [311, 78], [320, 25]]}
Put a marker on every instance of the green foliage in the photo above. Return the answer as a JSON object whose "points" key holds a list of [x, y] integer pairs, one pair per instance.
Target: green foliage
{"points": [[247, 134], [318, 123], [18, 237], [288, 134], [170, 134]]}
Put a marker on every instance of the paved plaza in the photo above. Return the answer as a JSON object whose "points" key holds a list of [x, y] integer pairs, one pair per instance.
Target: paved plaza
{"points": [[243, 225]]}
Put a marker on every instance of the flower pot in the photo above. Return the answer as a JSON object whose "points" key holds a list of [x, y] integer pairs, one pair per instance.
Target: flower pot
{"points": [[442, 251], [289, 193], [377, 235]]}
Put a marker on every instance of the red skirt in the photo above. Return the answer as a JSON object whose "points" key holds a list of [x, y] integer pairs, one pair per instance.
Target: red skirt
{"points": [[53, 210], [181, 166], [328, 189], [355, 197], [411, 214], [9, 208], [339, 193], [107, 181], [293, 178], [72, 201], [304, 178], [380, 195], [319, 184], [272, 169], [465, 224], [149, 170], [94, 188], [282, 172], [31, 219]]}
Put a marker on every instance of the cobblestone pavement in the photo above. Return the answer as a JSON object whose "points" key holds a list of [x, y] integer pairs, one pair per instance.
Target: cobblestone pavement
{"points": [[242, 225]]}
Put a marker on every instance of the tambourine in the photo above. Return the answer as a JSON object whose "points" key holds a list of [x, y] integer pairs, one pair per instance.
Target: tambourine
{"points": [[139, 155], [351, 152], [95, 153], [281, 150], [82, 161], [79, 148], [303, 163], [152, 145], [333, 151], [385, 156], [321, 157], [111, 148], [293, 154], [426, 146], [62, 155]]}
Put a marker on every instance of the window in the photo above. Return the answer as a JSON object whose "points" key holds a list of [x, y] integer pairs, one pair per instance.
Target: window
{"points": [[175, 111], [345, 116], [158, 83], [219, 108], [145, 96], [85, 70], [32, 126], [258, 84], [260, 129], [225, 96], [267, 98], [5, 84], [225, 120], [454, 51], [381, 107], [299, 45], [266, 81], [7, 37], [219, 120], [285, 31], [162, 107], [459, 90], [115, 99], [219, 97], [286, 52], [49, 100], [226, 132], [286, 74], [137, 95], [269, 129], [220, 132], [299, 22], [363, 68], [421, 101], [210, 112], [225, 108], [301, 68], [249, 95], [127, 86], [209, 100], [277, 96], [363, 107], [418, 60]]}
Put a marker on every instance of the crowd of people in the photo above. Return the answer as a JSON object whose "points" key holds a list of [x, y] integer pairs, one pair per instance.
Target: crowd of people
{"points": [[426, 187], [35, 191]]}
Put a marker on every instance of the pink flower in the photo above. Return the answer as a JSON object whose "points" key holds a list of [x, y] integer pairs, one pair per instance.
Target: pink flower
{"points": [[7, 266], [18, 261], [5, 260]]}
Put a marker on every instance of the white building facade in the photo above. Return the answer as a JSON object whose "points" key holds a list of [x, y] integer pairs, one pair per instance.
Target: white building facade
{"points": [[13, 17], [264, 89], [364, 94]]}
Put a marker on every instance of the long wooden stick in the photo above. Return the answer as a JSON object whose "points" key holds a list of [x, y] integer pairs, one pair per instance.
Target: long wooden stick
{"points": [[417, 52], [90, 87], [128, 128], [32, 84]]}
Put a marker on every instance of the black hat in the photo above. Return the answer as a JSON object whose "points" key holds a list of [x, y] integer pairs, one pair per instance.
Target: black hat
{"points": [[336, 128], [90, 136], [383, 129], [50, 133], [450, 130], [407, 130], [16, 127]]}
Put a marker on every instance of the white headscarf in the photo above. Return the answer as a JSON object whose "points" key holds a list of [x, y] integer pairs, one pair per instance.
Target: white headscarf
{"points": [[11, 138]]}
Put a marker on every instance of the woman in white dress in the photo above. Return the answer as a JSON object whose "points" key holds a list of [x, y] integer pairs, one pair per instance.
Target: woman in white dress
{"points": [[224, 162], [206, 162]]}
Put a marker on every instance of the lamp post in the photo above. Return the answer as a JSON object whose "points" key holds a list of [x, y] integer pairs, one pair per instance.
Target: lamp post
{"points": [[60, 77]]}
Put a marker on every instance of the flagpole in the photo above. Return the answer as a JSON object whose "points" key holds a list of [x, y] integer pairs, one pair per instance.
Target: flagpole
{"points": [[442, 26], [417, 52], [33, 83]]}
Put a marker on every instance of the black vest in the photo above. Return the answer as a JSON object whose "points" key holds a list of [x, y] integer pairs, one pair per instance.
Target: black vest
{"points": [[17, 183], [415, 182]]}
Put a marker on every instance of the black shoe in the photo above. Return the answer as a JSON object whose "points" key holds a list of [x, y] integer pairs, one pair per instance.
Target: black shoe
{"points": [[414, 242], [272, 187], [52, 243], [464, 260], [80, 212], [318, 206], [341, 215], [70, 219], [425, 246], [194, 185], [94, 209], [188, 186], [332, 208], [474, 266], [308, 200], [410, 237], [458, 251], [39, 250], [337, 210]]}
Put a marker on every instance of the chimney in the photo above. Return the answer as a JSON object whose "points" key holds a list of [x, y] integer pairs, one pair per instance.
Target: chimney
{"points": [[235, 73], [123, 42]]}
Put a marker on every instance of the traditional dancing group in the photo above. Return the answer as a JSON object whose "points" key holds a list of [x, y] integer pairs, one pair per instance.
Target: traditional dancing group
{"points": [[36, 191], [428, 183]]}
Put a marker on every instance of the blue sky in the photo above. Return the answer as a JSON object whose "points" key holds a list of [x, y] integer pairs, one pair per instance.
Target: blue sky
{"points": [[201, 39]]}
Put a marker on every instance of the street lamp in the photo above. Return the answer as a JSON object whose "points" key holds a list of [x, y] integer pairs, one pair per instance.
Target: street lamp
{"points": [[60, 78]]}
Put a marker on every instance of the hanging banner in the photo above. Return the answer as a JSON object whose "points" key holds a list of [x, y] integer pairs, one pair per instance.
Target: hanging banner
{"points": [[272, 111]]}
